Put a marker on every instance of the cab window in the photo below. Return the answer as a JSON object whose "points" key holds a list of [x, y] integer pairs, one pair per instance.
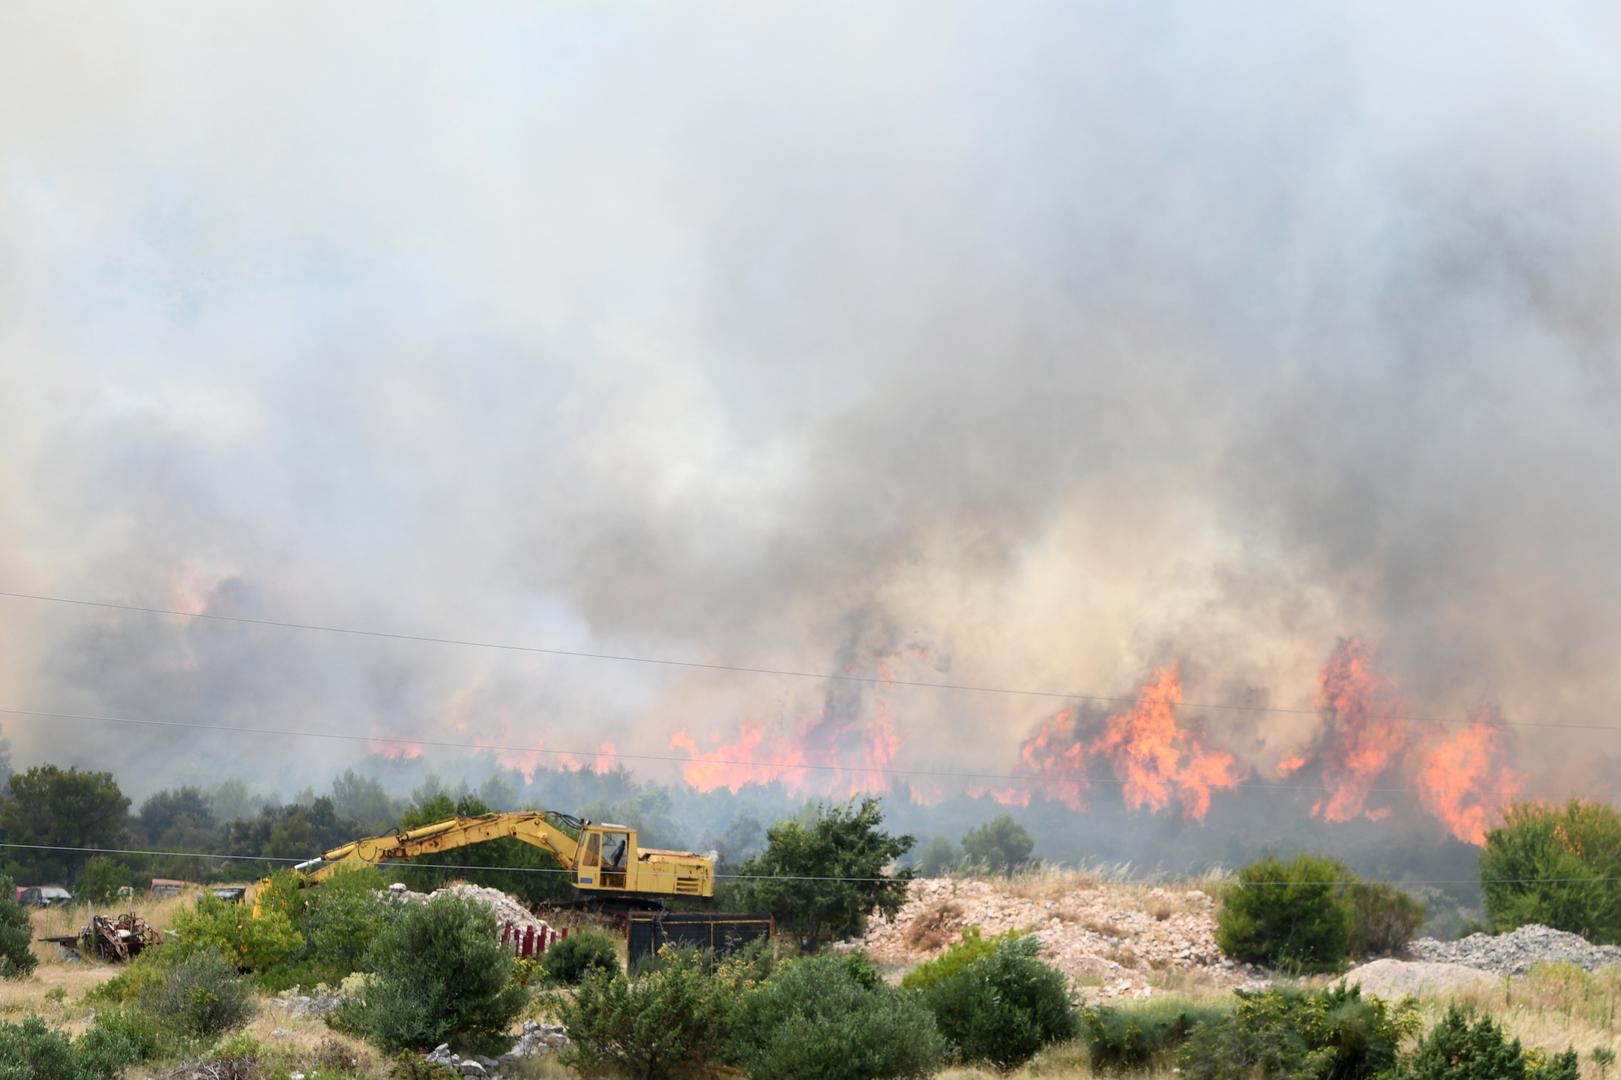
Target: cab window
{"points": [[591, 847]]}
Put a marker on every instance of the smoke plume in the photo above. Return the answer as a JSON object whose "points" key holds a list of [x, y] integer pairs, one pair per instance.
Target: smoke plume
{"points": [[1046, 347]]}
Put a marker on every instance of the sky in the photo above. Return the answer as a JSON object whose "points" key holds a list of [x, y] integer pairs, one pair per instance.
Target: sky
{"points": [[1023, 345]]}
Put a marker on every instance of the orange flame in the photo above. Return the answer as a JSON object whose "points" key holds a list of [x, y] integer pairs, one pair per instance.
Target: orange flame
{"points": [[1367, 730], [1059, 773], [395, 751], [1460, 783], [1158, 760], [1291, 765], [730, 766]]}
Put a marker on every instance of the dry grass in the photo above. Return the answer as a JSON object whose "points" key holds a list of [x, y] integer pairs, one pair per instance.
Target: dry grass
{"points": [[936, 927], [1054, 882], [1124, 955], [1098, 926], [1554, 1007]]}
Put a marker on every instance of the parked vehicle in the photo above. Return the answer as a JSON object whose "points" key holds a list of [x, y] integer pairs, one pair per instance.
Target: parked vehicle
{"points": [[43, 896]]}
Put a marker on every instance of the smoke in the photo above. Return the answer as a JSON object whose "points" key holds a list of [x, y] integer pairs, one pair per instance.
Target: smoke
{"points": [[1035, 347]]}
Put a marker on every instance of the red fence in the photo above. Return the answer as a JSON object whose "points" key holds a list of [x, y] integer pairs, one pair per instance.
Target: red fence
{"points": [[527, 941]]}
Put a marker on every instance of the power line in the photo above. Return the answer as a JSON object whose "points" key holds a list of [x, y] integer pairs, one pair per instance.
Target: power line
{"points": [[628, 658], [771, 877], [780, 766]]}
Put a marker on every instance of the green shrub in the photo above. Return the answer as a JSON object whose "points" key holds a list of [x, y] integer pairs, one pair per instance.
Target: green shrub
{"points": [[128, 1031], [1140, 1035], [16, 931], [102, 878], [570, 960], [1287, 915], [136, 981], [1456, 1049], [103, 1055], [32, 1051], [340, 920], [671, 1021], [939, 856], [1000, 846], [1004, 1007], [824, 873], [972, 947], [202, 996], [834, 1018], [1383, 918], [1329, 1034], [1555, 866], [230, 931], [438, 975]]}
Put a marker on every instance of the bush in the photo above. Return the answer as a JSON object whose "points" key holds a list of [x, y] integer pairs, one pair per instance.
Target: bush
{"points": [[1555, 866], [939, 856], [1383, 919], [231, 932], [1329, 1034], [104, 1055], [1139, 1036], [136, 981], [202, 995], [340, 920], [570, 960], [823, 874], [32, 1051], [439, 974], [999, 846], [1454, 1048], [1004, 1007], [972, 947], [16, 931], [102, 878], [1287, 915], [834, 1018], [132, 1032], [671, 1021]]}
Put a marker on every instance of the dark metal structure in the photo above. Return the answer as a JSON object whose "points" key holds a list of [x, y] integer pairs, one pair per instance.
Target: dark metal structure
{"points": [[720, 932]]}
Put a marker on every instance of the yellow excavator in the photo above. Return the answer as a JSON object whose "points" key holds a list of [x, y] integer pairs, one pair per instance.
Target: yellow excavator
{"points": [[603, 860]]}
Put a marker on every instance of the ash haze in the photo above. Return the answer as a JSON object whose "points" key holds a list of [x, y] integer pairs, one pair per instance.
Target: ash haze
{"points": [[1028, 345]]}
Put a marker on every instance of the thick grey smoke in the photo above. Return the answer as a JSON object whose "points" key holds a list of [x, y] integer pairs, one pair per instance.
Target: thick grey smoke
{"points": [[1021, 345]]}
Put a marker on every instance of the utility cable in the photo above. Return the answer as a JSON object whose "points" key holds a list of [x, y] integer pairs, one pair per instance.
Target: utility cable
{"points": [[791, 877], [790, 673]]}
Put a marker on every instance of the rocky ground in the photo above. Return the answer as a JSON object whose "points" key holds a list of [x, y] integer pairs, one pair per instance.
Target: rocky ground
{"points": [[1112, 941], [537, 1039], [1517, 952]]}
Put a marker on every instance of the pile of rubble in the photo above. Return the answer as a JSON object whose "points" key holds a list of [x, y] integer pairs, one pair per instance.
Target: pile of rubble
{"points": [[1519, 951], [507, 910], [1108, 940], [1393, 979], [537, 1039]]}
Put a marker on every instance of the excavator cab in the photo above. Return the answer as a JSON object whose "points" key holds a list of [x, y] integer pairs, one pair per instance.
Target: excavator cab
{"points": [[609, 855]]}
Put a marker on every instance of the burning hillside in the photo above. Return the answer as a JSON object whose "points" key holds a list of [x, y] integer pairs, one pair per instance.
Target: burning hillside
{"points": [[1366, 746], [1368, 760]]}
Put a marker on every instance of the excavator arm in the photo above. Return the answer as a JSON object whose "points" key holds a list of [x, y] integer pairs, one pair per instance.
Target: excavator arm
{"points": [[532, 827]]}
